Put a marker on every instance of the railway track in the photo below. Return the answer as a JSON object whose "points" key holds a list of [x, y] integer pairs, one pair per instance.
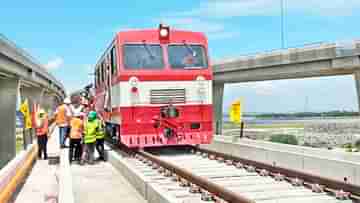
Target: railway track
{"points": [[215, 177]]}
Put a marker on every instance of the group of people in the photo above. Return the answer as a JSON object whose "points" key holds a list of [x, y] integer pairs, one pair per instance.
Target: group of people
{"points": [[83, 127]]}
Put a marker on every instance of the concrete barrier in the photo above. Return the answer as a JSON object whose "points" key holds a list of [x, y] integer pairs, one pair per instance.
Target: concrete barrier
{"points": [[148, 188], [13, 174], [315, 161], [66, 194]]}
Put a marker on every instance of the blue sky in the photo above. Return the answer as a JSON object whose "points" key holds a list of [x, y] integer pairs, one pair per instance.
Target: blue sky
{"points": [[68, 37]]}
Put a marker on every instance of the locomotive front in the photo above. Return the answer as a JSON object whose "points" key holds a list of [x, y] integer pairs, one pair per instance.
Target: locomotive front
{"points": [[163, 93]]}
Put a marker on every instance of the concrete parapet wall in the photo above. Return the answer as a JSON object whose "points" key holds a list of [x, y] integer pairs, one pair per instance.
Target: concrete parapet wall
{"points": [[10, 169], [316, 161], [315, 52], [309, 61], [148, 188], [21, 58], [12, 175]]}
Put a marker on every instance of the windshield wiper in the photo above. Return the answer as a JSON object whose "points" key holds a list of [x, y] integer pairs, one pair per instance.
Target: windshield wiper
{"points": [[191, 50], [146, 46]]}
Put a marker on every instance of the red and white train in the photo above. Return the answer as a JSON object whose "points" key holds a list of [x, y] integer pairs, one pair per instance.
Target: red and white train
{"points": [[154, 88]]}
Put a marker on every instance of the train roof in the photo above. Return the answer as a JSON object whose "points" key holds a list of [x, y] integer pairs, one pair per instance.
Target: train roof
{"points": [[152, 35]]}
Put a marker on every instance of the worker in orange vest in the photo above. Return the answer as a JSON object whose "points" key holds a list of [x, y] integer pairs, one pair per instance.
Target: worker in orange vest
{"points": [[76, 133], [62, 118], [42, 128]]}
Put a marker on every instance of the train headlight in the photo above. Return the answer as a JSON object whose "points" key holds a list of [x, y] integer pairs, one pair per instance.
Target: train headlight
{"points": [[164, 32], [200, 78], [134, 81], [134, 90]]}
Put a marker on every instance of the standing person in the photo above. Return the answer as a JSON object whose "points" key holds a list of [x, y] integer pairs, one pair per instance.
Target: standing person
{"points": [[62, 118], [91, 128], [100, 136], [76, 132], [42, 128]]}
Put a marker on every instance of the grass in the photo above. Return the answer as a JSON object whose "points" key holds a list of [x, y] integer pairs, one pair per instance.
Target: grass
{"points": [[19, 144], [229, 125]]}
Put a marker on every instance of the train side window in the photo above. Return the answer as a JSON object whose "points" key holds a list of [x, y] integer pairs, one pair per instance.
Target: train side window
{"points": [[99, 74], [96, 77], [102, 71], [113, 61]]}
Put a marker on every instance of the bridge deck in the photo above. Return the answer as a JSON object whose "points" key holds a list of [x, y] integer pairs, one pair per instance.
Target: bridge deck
{"points": [[42, 184], [100, 182]]}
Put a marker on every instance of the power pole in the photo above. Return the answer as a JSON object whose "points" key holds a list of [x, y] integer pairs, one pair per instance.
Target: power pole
{"points": [[282, 6]]}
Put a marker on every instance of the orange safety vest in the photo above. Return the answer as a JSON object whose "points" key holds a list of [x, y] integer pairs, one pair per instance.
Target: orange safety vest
{"points": [[77, 127], [61, 117], [44, 129]]}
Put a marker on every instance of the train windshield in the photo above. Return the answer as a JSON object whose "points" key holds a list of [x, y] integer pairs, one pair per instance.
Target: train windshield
{"points": [[187, 56], [143, 56]]}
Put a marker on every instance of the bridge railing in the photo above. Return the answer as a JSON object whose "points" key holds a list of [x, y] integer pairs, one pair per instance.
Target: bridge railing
{"points": [[341, 48], [20, 50], [29, 60]]}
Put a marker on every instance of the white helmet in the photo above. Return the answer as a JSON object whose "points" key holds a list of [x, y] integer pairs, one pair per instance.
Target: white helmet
{"points": [[67, 100]]}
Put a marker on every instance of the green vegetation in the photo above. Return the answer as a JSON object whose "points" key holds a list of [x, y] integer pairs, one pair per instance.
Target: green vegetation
{"points": [[19, 144], [284, 139], [357, 144], [352, 147]]}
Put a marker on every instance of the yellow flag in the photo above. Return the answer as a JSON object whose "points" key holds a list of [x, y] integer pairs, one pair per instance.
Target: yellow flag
{"points": [[235, 112], [24, 109]]}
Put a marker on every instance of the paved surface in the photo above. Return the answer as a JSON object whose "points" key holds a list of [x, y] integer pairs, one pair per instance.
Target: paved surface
{"points": [[42, 185], [102, 183]]}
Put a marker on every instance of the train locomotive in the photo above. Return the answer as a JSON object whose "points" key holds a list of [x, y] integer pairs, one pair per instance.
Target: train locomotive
{"points": [[154, 88]]}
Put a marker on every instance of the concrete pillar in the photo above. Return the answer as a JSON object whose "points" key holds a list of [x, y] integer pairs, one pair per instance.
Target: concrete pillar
{"points": [[8, 98], [218, 94], [357, 85]]}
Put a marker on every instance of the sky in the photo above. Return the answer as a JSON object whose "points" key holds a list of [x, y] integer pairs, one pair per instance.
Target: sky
{"points": [[67, 37]]}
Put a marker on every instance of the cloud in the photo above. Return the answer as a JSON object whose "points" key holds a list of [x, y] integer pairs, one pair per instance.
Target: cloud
{"points": [[54, 63], [233, 8]]}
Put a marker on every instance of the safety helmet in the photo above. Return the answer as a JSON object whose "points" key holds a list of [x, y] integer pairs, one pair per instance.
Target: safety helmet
{"points": [[67, 100], [92, 115]]}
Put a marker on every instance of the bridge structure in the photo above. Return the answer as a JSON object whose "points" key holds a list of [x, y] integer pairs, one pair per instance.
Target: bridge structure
{"points": [[314, 60], [22, 77]]}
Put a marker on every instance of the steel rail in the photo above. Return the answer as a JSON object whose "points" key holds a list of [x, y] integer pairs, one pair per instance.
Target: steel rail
{"points": [[213, 188], [307, 177]]}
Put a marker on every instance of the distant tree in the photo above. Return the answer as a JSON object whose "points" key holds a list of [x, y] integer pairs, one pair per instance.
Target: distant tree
{"points": [[357, 144], [347, 145], [284, 139]]}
